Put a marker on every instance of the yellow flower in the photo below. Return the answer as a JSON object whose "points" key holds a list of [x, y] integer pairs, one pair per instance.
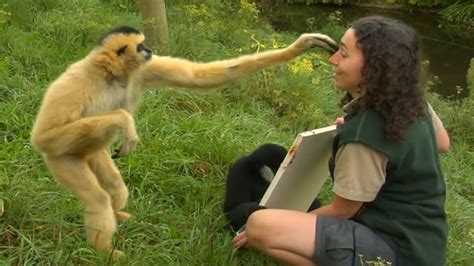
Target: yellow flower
{"points": [[303, 65]]}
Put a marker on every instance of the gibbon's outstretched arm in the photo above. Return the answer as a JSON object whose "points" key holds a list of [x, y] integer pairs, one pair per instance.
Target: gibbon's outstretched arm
{"points": [[177, 72]]}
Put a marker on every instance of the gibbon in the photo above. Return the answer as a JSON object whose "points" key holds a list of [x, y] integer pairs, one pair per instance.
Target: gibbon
{"points": [[91, 104], [248, 179]]}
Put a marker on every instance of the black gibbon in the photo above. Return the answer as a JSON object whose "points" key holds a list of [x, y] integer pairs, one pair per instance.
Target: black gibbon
{"points": [[247, 181], [91, 104]]}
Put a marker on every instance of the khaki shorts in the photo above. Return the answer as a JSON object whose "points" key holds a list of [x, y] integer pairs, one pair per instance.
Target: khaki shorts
{"points": [[345, 242]]}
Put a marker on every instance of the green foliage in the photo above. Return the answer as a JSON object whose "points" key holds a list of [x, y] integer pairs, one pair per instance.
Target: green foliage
{"points": [[4, 17], [124, 5], [188, 140], [426, 3], [416, 3], [462, 128], [470, 76], [459, 14], [332, 25], [310, 2]]}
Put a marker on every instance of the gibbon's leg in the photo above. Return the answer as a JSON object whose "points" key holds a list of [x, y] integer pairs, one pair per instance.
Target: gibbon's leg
{"points": [[74, 174], [88, 135], [110, 179]]}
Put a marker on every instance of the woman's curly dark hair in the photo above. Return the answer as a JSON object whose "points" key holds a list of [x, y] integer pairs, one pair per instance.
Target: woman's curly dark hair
{"points": [[391, 72]]}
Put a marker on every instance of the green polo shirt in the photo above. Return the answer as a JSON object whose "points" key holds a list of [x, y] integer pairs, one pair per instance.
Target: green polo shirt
{"points": [[408, 211]]}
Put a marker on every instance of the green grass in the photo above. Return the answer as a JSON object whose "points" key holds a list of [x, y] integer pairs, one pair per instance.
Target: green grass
{"points": [[188, 140]]}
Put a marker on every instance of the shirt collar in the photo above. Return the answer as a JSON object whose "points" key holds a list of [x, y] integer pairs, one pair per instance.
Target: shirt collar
{"points": [[349, 107]]}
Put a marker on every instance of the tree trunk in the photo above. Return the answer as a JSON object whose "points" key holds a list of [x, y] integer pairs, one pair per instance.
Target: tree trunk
{"points": [[155, 25]]}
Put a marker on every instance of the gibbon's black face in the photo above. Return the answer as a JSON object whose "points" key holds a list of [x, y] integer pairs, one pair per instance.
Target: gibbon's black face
{"points": [[145, 51], [141, 50]]}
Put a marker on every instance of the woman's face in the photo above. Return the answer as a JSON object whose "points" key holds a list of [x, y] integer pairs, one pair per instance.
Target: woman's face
{"points": [[347, 64]]}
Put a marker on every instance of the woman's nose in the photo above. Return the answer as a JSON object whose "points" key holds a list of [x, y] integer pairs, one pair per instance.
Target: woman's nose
{"points": [[334, 59]]}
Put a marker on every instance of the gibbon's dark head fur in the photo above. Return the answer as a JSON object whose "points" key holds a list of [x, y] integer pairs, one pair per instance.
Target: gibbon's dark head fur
{"points": [[126, 30], [121, 51]]}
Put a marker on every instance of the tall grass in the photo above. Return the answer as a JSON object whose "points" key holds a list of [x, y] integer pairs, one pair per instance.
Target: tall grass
{"points": [[188, 140]]}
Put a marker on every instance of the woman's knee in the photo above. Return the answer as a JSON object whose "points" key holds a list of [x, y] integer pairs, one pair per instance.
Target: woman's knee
{"points": [[258, 228]]}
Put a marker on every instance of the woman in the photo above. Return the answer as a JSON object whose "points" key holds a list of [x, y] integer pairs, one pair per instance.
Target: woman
{"points": [[389, 192]]}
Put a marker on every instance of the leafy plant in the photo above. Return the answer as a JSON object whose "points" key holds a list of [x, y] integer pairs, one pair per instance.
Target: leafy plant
{"points": [[309, 2], [459, 14]]}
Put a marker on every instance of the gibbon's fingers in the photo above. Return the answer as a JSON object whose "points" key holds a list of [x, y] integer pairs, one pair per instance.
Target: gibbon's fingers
{"points": [[116, 154], [175, 72], [129, 140], [128, 146], [309, 40]]}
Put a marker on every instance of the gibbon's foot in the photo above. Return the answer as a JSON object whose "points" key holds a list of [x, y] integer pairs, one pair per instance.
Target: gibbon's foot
{"points": [[309, 40], [100, 227], [117, 254], [122, 216]]}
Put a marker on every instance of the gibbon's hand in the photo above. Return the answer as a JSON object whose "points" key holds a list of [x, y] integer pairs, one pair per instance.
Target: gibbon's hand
{"points": [[130, 138], [310, 40], [128, 146]]}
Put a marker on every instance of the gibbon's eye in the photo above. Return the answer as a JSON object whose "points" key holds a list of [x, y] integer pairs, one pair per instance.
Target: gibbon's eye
{"points": [[121, 50], [142, 47]]}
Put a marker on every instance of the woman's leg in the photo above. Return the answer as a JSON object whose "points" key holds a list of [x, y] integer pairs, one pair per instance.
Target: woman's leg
{"points": [[288, 236]]}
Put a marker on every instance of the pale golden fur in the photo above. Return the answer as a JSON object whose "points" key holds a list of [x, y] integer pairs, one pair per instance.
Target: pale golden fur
{"points": [[92, 102]]}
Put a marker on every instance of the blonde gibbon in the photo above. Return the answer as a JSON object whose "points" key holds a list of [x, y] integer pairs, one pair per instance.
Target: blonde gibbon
{"points": [[91, 104]]}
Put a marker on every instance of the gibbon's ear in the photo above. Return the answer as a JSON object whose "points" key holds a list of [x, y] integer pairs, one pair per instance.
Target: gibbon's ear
{"points": [[121, 50]]}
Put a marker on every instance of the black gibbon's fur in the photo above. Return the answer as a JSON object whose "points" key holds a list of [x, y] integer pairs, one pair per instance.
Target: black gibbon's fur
{"points": [[119, 30], [246, 183]]}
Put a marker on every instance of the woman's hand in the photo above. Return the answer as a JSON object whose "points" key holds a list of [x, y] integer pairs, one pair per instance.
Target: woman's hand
{"points": [[240, 240], [339, 121]]}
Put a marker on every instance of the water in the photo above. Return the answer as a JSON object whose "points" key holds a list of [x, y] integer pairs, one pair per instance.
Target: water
{"points": [[449, 52]]}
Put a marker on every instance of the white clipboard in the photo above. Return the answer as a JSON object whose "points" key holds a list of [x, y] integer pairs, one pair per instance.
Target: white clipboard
{"points": [[303, 171]]}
